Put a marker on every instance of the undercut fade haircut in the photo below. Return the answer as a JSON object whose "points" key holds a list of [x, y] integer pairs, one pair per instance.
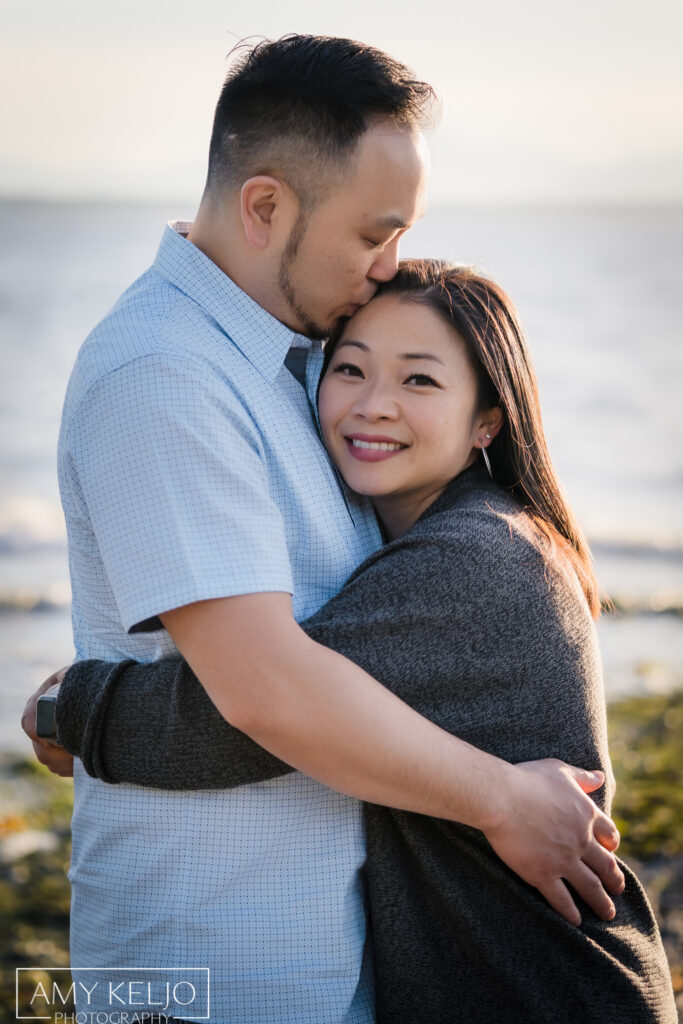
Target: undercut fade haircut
{"points": [[296, 108]]}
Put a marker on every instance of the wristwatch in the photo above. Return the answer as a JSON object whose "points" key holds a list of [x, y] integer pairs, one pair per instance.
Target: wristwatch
{"points": [[46, 716]]}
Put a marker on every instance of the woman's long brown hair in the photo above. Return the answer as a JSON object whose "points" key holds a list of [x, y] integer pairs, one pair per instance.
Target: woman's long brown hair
{"points": [[484, 317]]}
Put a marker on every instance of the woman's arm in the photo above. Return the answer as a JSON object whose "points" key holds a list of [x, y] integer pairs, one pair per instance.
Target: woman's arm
{"points": [[548, 830], [441, 625], [154, 725]]}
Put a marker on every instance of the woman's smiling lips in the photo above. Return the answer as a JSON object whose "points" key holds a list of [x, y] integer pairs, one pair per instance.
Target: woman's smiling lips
{"points": [[373, 447]]}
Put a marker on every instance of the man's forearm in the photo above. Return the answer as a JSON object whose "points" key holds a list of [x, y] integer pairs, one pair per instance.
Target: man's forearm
{"points": [[316, 710], [150, 726], [339, 725], [321, 713], [137, 724]]}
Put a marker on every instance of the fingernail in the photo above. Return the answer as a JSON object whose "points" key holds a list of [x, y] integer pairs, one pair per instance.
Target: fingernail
{"points": [[611, 913]]}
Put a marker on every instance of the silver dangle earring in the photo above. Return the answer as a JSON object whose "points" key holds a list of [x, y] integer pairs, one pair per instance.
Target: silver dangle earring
{"points": [[486, 458]]}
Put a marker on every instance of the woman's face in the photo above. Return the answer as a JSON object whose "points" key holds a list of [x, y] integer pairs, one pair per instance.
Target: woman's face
{"points": [[398, 407]]}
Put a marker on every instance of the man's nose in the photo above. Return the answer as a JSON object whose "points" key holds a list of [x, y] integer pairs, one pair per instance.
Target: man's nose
{"points": [[386, 264]]}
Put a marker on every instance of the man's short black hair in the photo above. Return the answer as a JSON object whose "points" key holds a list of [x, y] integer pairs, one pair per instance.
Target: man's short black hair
{"points": [[297, 107]]}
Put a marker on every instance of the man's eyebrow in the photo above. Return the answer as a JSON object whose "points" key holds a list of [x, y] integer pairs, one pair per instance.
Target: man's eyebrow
{"points": [[404, 355], [392, 221]]}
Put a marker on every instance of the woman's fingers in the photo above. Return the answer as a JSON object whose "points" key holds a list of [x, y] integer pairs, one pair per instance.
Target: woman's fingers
{"points": [[54, 757]]}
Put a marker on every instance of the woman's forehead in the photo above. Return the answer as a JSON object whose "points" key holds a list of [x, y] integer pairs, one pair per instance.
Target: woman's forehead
{"points": [[399, 316]]}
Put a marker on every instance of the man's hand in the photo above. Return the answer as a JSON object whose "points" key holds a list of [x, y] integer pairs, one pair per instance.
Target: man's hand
{"points": [[54, 757], [549, 832]]}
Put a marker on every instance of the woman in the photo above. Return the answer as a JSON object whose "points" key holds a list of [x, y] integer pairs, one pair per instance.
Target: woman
{"points": [[479, 613]]}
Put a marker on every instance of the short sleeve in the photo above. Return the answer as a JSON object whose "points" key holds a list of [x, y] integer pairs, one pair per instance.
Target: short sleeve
{"points": [[173, 475]]}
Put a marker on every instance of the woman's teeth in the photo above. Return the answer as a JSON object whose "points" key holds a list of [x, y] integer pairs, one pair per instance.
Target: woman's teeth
{"points": [[378, 446]]}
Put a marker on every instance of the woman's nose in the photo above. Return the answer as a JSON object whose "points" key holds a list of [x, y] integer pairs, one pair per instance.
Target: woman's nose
{"points": [[376, 402]]}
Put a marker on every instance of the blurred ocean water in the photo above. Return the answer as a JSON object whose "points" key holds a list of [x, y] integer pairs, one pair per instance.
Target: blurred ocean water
{"points": [[600, 294]]}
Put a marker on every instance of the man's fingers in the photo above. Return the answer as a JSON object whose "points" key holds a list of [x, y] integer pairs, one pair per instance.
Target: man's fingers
{"points": [[606, 832], [605, 866], [611, 782], [588, 781], [559, 898], [589, 887], [604, 829]]}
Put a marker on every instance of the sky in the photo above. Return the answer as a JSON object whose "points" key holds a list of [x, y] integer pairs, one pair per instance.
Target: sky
{"points": [[543, 100]]}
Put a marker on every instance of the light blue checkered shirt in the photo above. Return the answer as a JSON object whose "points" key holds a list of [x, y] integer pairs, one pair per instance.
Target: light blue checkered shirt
{"points": [[190, 468]]}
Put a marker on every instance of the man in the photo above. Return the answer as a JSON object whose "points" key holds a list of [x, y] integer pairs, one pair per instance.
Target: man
{"points": [[198, 496]]}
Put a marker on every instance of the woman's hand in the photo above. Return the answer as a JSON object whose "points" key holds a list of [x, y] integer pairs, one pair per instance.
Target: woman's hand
{"points": [[550, 832], [54, 757]]}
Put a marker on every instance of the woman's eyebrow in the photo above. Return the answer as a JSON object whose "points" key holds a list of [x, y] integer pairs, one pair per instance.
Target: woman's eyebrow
{"points": [[404, 355], [423, 355], [356, 344]]}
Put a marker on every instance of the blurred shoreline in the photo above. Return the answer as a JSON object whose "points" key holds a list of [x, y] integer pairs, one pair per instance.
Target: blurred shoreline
{"points": [[640, 635]]}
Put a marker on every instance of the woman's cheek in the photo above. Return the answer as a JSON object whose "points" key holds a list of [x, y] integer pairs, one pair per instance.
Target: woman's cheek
{"points": [[329, 408]]}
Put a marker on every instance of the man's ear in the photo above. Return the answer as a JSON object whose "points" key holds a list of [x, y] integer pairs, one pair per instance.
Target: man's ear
{"points": [[264, 207], [490, 422]]}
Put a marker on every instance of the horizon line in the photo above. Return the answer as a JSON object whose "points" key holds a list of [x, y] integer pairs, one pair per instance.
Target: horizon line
{"points": [[634, 203]]}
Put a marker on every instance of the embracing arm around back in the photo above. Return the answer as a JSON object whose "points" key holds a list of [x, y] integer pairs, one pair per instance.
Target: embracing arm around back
{"points": [[319, 712]]}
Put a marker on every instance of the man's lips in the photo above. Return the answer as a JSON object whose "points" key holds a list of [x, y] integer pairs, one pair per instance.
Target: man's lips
{"points": [[373, 447], [353, 307]]}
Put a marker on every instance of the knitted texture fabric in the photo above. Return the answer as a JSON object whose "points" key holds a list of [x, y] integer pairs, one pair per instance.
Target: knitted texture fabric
{"points": [[466, 620]]}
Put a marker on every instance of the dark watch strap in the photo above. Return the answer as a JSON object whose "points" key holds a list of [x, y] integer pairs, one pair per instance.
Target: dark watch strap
{"points": [[46, 716]]}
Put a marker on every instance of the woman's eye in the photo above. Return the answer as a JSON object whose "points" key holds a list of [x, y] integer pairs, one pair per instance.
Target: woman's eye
{"points": [[422, 379], [374, 244], [348, 370]]}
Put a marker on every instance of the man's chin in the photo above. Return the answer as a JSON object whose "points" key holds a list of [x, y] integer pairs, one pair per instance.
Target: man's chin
{"points": [[319, 333], [301, 323]]}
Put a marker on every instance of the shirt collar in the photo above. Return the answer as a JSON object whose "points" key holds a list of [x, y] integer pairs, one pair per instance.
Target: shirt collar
{"points": [[262, 339]]}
